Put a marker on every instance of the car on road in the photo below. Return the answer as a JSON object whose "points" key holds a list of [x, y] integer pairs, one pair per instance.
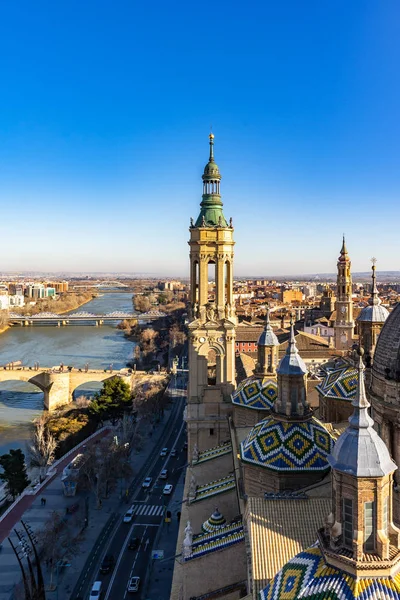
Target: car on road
{"points": [[128, 516], [95, 592], [147, 483], [107, 564], [134, 543], [133, 585], [164, 474], [167, 489], [173, 452], [164, 452]]}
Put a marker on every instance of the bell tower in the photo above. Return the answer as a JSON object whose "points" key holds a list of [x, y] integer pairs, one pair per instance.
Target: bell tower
{"points": [[212, 320], [344, 323]]}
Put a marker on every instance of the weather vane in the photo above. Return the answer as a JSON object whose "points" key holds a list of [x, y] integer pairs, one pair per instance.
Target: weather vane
{"points": [[373, 260]]}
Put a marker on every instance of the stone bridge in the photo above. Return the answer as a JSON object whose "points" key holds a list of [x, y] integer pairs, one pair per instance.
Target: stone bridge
{"points": [[59, 386]]}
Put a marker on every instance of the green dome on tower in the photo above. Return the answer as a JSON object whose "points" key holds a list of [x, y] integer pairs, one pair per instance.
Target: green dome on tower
{"points": [[211, 214]]}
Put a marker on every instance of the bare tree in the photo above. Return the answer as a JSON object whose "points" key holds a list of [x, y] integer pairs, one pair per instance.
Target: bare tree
{"points": [[41, 447], [82, 402], [55, 541], [141, 303]]}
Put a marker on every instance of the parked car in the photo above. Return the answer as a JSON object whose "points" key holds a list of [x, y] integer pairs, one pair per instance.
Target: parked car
{"points": [[128, 516], [147, 483], [168, 489], [173, 452], [164, 452], [134, 543], [133, 584], [164, 474], [107, 564]]}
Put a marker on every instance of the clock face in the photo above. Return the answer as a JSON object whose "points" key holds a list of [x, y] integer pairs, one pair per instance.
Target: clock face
{"points": [[202, 340], [221, 339], [343, 309]]}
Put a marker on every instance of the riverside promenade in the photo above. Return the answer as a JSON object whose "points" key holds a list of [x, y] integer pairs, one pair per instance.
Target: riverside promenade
{"points": [[86, 542]]}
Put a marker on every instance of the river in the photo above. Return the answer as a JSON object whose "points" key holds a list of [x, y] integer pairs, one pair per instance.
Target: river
{"points": [[72, 345]]}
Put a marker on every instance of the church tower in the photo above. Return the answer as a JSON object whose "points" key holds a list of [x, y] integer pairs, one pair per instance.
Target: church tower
{"points": [[344, 324], [212, 323]]}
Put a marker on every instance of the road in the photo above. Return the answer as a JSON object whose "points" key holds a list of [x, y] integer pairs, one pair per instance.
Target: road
{"points": [[150, 509]]}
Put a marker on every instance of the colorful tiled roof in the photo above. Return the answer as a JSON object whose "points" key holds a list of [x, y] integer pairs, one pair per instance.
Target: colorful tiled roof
{"points": [[214, 523], [285, 446], [339, 383], [308, 576], [224, 538], [256, 393], [219, 486], [214, 452]]}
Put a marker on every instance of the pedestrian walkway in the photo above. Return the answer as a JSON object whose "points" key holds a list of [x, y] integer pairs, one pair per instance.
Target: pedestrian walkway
{"points": [[100, 522], [151, 510]]}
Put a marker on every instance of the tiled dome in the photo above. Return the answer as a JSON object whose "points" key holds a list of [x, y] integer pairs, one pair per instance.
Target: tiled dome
{"points": [[283, 446], [308, 576], [256, 393], [214, 523]]}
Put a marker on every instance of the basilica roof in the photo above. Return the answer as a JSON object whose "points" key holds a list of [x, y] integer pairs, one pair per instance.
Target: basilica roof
{"points": [[339, 382], [256, 393], [284, 446], [218, 486], [308, 576], [387, 352]]}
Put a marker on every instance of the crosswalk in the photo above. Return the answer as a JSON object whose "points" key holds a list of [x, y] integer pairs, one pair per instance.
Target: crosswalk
{"points": [[150, 510]]}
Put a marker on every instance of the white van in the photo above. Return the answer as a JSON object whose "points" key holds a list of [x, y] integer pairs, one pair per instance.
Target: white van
{"points": [[95, 593]]}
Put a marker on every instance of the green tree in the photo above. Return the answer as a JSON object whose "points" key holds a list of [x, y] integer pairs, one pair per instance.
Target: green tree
{"points": [[112, 400], [14, 472]]}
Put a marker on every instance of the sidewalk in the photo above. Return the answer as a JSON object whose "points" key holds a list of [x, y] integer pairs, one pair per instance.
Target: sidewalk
{"points": [[36, 516], [160, 577]]}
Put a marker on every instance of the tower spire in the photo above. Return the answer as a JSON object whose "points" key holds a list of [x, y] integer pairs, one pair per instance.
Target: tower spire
{"points": [[211, 138], [374, 299], [343, 251], [360, 419]]}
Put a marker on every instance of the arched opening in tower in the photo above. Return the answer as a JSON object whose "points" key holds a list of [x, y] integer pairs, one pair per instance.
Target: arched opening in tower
{"points": [[212, 367], [211, 279]]}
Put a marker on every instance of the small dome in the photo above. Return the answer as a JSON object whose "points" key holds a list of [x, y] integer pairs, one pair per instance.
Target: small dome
{"points": [[283, 446], [214, 523], [211, 170], [387, 352], [256, 393], [308, 576], [373, 314]]}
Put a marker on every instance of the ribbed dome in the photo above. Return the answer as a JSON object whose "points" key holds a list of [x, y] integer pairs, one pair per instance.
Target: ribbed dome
{"points": [[387, 352], [373, 314]]}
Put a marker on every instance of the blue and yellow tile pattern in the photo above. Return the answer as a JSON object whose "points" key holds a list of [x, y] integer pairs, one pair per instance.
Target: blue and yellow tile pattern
{"points": [[340, 383], [308, 576], [284, 446], [257, 393]]}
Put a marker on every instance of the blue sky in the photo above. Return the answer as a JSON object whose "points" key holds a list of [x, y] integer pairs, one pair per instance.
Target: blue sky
{"points": [[105, 109]]}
